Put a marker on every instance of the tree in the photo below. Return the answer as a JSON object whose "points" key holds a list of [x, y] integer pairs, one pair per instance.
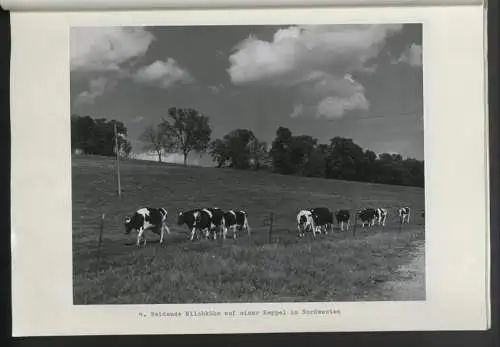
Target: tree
{"points": [[280, 151], [239, 149], [156, 140], [187, 130], [97, 136], [343, 160], [259, 155], [219, 152], [126, 150]]}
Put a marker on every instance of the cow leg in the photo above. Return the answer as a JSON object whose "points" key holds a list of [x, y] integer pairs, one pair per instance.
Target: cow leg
{"points": [[193, 231], [162, 235], [140, 234]]}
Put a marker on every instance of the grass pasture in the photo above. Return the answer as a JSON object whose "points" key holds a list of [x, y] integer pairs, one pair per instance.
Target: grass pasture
{"points": [[334, 267]]}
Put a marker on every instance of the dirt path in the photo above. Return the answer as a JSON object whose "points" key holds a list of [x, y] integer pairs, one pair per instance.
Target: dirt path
{"points": [[410, 284]]}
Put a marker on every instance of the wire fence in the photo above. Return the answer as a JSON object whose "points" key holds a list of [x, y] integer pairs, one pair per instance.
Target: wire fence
{"points": [[273, 229]]}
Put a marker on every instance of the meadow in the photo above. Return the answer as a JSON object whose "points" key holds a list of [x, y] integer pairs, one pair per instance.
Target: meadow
{"points": [[343, 266]]}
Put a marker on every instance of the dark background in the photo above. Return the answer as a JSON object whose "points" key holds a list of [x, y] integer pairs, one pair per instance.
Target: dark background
{"points": [[406, 339]]}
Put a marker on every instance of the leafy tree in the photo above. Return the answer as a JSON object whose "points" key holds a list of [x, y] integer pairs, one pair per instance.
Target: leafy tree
{"points": [[187, 130], [343, 159], [259, 156], [281, 151], [219, 152], [156, 140], [239, 149], [96, 136]]}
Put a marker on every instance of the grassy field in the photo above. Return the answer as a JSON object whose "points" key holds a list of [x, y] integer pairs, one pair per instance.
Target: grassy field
{"points": [[334, 267]]}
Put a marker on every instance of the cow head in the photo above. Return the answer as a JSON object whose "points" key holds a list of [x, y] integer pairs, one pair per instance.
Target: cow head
{"points": [[305, 222], [128, 225]]}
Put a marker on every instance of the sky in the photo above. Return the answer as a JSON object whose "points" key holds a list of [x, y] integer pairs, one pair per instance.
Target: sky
{"points": [[357, 81]]}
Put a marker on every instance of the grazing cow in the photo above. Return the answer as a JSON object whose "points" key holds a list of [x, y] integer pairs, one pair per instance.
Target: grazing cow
{"points": [[343, 216], [218, 221], [367, 217], [305, 222], [323, 218], [381, 216], [196, 219], [404, 214], [147, 218], [237, 220]]}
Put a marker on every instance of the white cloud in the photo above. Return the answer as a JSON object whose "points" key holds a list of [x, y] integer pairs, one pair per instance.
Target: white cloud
{"points": [[318, 60], [297, 111], [216, 88], [138, 119], [412, 56], [162, 73], [107, 49], [97, 87]]}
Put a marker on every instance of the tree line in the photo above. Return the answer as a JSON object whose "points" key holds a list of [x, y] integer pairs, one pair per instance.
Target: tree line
{"points": [[187, 131], [97, 137]]}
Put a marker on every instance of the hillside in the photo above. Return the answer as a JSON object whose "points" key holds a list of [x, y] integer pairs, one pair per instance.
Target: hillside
{"points": [[337, 267]]}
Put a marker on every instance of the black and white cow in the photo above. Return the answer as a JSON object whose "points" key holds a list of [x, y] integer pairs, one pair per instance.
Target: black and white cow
{"points": [[367, 217], [381, 216], [323, 218], [147, 218], [343, 216], [237, 220], [218, 222], [305, 222], [196, 220], [404, 214]]}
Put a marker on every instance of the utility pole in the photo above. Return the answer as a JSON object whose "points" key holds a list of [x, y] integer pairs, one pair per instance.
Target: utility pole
{"points": [[117, 162]]}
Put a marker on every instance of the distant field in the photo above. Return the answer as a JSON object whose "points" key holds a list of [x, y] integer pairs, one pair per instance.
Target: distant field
{"points": [[335, 267]]}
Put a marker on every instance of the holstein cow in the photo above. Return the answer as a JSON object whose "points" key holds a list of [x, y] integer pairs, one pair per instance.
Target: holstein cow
{"points": [[237, 220], [404, 214], [147, 218], [367, 217], [305, 222], [343, 216], [381, 216], [196, 219], [323, 218], [218, 221]]}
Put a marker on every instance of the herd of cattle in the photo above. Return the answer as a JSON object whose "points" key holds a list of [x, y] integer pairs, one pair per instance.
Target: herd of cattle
{"points": [[213, 221]]}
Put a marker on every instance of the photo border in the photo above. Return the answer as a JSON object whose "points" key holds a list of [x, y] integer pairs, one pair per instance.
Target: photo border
{"points": [[424, 123]]}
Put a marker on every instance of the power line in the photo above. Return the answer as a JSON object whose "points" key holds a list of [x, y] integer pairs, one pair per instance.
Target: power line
{"points": [[408, 115]]}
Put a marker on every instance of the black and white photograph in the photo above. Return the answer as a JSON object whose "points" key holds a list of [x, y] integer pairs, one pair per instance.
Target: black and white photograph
{"points": [[247, 163]]}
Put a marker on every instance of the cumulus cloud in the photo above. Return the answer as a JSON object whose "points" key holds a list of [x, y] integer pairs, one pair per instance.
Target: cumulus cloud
{"points": [[113, 53], [138, 119], [297, 111], [412, 56], [163, 74], [107, 49], [317, 58], [216, 88], [97, 87]]}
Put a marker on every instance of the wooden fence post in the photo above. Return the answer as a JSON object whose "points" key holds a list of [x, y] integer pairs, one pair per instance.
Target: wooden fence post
{"points": [[355, 224], [101, 229], [271, 218]]}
